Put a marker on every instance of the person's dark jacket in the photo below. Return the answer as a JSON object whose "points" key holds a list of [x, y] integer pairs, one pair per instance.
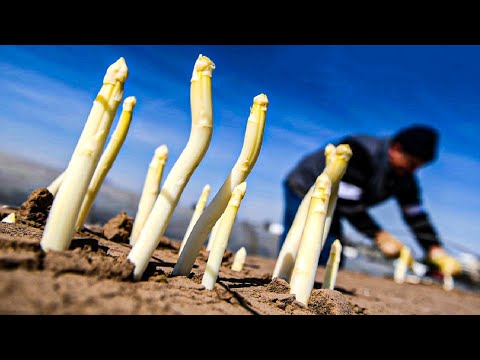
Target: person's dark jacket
{"points": [[368, 181]]}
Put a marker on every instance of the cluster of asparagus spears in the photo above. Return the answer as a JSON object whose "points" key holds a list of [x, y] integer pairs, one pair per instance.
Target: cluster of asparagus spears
{"points": [[76, 188]]}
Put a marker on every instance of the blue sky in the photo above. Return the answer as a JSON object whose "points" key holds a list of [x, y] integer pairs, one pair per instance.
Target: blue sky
{"points": [[316, 93]]}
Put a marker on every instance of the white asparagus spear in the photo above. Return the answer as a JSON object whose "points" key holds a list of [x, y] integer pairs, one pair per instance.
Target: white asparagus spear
{"points": [[239, 259], [107, 159], [448, 283], [288, 252], [331, 270], [199, 207], [305, 268], [63, 215], [151, 188], [336, 159], [55, 184], [213, 232], [401, 265], [221, 238], [10, 218], [337, 162], [251, 147], [177, 179]]}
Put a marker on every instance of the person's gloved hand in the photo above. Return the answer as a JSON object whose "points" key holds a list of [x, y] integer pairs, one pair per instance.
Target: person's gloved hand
{"points": [[441, 261], [388, 244]]}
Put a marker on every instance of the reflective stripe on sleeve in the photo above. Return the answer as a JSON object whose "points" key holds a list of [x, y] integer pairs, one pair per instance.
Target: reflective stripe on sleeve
{"points": [[413, 209], [349, 191]]}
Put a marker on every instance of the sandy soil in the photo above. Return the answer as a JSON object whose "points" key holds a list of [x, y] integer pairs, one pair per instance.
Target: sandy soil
{"points": [[94, 277]]}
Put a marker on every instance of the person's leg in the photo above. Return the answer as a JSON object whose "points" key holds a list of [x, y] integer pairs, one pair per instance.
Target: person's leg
{"points": [[334, 233], [325, 253], [291, 204]]}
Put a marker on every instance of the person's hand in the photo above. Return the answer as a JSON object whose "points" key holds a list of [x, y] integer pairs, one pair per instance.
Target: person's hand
{"points": [[388, 244], [444, 263]]}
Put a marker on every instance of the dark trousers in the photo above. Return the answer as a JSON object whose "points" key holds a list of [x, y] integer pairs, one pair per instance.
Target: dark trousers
{"points": [[291, 203]]}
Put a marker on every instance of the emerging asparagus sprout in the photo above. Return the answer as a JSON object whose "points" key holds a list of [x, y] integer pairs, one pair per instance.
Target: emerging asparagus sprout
{"points": [[251, 147], [333, 262], [221, 238], [448, 283], [288, 253], [107, 159], [190, 158], [63, 215], [404, 261], [55, 184], [239, 259], [211, 239], [151, 188], [305, 268], [336, 160], [10, 218], [199, 207]]}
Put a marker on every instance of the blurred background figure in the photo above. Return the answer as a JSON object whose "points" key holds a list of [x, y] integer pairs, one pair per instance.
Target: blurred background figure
{"points": [[380, 168]]}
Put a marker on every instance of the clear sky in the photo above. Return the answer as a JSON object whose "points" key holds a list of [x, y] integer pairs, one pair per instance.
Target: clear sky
{"points": [[316, 93]]}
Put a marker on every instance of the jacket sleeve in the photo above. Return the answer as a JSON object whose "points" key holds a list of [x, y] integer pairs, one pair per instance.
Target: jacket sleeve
{"points": [[364, 223], [415, 215]]}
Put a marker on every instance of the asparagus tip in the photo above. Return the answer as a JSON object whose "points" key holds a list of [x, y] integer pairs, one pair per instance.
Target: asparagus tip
{"points": [[161, 151], [239, 259], [241, 189], [129, 103], [330, 149], [10, 218], [203, 66], [336, 246], [448, 283], [344, 150], [261, 99], [118, 71]]}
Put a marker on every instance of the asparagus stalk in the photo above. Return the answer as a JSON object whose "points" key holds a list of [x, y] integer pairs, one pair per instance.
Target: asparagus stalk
{"points": [[191, 156], [245, 162], [239, 259], [336, 160], [211, 239], [333, 262], [288, 252], [448, 283], [221, 239], [305, 268], [63, 215], [151, 188], [404, 260], [106, 160], [199, 207], [55, 184]]}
